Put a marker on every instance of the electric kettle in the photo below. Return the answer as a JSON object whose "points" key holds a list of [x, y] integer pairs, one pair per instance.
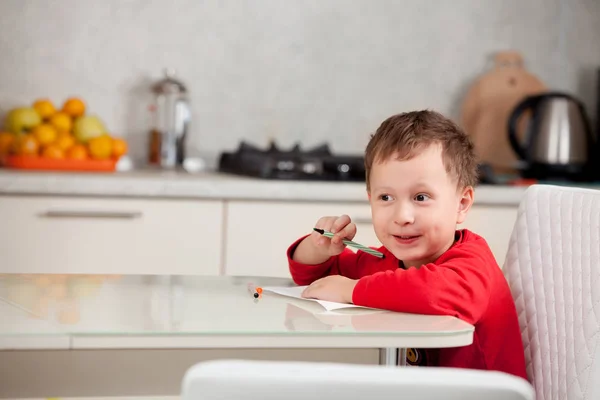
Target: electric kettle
{"points": [[558, 142]]}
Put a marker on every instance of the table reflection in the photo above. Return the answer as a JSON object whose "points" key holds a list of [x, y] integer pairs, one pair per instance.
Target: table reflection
{"points": [[52, 296]]}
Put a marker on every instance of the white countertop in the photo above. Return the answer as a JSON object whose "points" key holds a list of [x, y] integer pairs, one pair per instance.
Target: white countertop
{"points": [[152, 312], [208, 185]]}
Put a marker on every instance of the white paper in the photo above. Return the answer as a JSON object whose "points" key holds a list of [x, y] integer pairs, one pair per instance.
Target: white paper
{"points": [[296, 293]]}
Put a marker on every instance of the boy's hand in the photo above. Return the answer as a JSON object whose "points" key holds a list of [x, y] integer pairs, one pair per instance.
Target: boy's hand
{"points": [[316, 248], [331, 288], [341, 226]]}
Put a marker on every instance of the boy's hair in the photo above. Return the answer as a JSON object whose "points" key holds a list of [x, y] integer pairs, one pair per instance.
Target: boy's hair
{"points": [[406, 135]]}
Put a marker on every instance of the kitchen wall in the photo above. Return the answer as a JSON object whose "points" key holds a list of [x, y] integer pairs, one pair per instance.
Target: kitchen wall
{"points": [[306, 70]]}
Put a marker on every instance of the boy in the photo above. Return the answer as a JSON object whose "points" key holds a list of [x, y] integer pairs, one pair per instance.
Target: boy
{"points": [[420, 174]]}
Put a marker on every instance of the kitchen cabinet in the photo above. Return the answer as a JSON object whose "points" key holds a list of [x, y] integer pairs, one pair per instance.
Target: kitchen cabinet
{"points": [[52, 234], [259, 233], [495, 225], [70, 234]]}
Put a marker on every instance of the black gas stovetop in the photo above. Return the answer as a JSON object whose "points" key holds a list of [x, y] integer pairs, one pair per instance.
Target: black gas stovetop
{"points": [[316, 163]]}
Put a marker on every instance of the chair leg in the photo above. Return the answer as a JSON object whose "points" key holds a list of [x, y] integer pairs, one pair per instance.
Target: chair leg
{"points": [[389, 356], [402, 357]]}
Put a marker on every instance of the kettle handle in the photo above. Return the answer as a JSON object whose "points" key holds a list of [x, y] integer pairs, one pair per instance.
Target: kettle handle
{"points": [[524, 105]]}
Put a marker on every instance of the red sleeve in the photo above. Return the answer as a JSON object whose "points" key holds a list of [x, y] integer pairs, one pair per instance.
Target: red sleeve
{"points": [[348, 264], [459, 285]]}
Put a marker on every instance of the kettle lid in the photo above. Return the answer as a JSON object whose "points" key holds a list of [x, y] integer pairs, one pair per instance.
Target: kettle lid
{"points": [[169, 84]]}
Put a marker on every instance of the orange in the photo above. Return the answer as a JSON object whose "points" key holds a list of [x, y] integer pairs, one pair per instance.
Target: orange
{"points": [[119, 147], [61, 133], [45, 134], [44, 107], [77, 152], [100, 147], [53, 151], [74, 107], [26, 145], [6, 141], [61, 121], [65, 142]]}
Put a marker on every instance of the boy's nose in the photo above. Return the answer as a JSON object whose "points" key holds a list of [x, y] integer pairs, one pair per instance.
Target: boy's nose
{"points": [[404, 216]]}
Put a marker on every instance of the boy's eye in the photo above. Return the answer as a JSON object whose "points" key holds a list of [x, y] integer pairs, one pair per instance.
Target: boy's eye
{"points": [[385, 197], [421, 197]]}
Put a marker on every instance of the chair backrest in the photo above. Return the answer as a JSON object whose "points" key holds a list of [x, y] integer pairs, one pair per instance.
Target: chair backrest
{"points": [[553, 269], [280, 380]]}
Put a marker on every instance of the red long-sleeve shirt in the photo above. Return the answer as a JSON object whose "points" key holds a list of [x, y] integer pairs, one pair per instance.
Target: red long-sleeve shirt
{"points": [[465, 282]]}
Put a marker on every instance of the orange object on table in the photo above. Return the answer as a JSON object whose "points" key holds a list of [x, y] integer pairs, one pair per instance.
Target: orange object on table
{"points": [[52, 164]]}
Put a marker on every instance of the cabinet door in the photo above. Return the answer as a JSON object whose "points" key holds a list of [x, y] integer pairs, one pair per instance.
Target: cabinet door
{"points": [[495, 225], [259, 233], [110, 236]]}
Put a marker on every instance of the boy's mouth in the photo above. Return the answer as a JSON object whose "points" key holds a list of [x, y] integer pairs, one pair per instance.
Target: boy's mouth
{"points": [[406, 239]]}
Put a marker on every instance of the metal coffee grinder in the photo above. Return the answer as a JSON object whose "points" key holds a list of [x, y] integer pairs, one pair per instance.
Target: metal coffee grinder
{"points": [[171, 115]]}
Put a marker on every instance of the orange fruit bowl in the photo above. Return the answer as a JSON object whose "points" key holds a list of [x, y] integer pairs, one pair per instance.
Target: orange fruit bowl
{"points": [[54, 164]]}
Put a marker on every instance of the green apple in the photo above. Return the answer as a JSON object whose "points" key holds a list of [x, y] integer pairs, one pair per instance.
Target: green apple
{"points": [[21, 120], [88, 127]]}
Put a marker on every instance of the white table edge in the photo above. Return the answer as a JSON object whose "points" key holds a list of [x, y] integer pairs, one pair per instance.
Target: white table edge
{"points": [[68, 341], [35, 342], [89, 341]]}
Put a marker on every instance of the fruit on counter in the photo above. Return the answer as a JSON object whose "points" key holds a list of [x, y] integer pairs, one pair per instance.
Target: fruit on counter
{"points": [[88, 127], [119, 148], [44, 108], [101, 147], [25, 145], [65, 141], [6, 141], [77, 152], [61, 121], [21, 120], [66, 133], [53, 151], [74, 107], [45, 134]]}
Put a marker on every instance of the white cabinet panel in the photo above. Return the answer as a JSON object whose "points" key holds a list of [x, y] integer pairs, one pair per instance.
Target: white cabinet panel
{"points": [[495, 225], [259, 233], [110, 236]]}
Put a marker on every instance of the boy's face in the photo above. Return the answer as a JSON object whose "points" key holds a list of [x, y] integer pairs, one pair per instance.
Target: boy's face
{"points": [[415, 206]]}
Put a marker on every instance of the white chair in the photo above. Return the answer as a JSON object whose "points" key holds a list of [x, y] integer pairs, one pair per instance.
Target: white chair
{"points": [[279, 380], [553, 269]]}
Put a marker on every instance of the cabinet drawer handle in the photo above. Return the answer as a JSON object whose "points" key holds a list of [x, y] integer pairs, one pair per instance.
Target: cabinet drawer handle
{"points": [[92, 214], [362, 220]]}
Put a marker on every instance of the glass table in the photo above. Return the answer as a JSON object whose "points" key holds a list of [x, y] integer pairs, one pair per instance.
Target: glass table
{"points": [[173, 311], [81, 317]]}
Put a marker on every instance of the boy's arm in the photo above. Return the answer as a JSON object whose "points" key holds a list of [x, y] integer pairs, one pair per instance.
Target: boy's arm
{"points": [[458, 287], [346, 264]]}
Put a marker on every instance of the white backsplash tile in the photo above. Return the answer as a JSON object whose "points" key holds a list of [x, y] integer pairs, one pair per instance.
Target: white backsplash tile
{"points": [[306, 70]]}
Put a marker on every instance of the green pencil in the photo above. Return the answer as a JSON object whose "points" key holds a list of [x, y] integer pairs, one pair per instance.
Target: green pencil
{"points": [[351, 243]]}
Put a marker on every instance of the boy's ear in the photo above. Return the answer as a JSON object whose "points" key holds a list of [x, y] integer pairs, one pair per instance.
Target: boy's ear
{"points": [[466, 201]]}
